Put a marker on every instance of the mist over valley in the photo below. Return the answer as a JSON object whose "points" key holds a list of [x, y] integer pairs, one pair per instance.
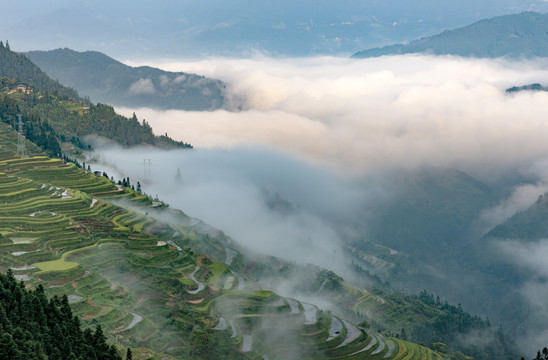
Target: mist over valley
{"points": [[410, 155]]}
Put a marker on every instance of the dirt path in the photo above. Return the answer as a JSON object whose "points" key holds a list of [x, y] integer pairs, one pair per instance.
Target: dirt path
{"points": [[335, 329], [234, 332], [372, 343], [352, 333], [294, 305], [136, 319], [381, 345], [200, 284], [230, 254], [309, 314], [241, 284], [248, 342], [391, 348], [222, 325]]}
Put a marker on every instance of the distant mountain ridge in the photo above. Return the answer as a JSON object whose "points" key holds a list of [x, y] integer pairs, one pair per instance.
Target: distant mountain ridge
{"points": [[107, 80], [515, 36], [529, 87], [287, 28]]}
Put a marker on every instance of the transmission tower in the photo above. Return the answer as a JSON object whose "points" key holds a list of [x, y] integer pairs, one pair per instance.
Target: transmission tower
{"points": [[146, 164], [21, 150]]}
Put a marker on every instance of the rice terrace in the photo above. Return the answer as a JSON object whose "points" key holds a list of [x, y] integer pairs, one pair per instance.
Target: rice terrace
{"points": [[175, 289]]}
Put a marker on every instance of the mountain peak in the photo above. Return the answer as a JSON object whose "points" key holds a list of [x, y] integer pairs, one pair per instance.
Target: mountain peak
{"points": [[514, 36]]}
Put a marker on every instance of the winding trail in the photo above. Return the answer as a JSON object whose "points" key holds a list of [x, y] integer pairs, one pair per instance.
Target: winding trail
{"points": [[222, 325], [241, 284], [200, 284], [372, 343], [230, 254], [391, 348], [19, 253], [22, 268], [352, 333], [380, 299], [294, 305], [335, 329], [234, 332], [172, 243], [248, 342], [309, 314], [322, 286], [381, 345], [136, 319]]}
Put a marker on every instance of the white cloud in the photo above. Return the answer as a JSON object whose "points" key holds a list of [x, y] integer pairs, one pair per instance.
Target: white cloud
{"points": [[267, 202], [365, 115], [142, 86]]}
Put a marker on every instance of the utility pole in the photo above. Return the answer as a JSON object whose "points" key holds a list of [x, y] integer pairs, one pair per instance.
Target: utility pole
{"points": [[146, 164], [21, 150]]}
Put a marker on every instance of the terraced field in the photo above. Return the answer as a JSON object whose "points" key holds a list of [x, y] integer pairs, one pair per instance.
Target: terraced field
{"points": [[146, 282]]}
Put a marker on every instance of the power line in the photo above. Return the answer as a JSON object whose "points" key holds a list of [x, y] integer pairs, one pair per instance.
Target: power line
{"points": [[146, 164], [21, 150]]}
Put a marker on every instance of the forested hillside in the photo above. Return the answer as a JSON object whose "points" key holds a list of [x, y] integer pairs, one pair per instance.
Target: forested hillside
{"points": [[19, 67], [106, 80], [54, 114], [35, 328]]}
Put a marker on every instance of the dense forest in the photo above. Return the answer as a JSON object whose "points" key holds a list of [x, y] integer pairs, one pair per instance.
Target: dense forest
{"points": [[35, 328]]}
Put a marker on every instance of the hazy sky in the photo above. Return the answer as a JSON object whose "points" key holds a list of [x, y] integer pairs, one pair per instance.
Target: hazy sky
{"points": [[190, 28]]}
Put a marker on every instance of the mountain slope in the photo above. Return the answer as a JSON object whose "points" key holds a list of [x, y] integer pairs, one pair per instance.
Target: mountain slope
{"points": [[176, 287], [54, 113], [18, 67], [32, 327], [520, 35], [106, 80]]}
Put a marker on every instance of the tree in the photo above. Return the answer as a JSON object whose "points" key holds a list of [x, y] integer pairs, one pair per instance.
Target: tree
{"points": [[129, 355]]}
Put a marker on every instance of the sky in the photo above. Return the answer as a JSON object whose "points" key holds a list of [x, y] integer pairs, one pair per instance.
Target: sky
{"points": [[281, 28]]}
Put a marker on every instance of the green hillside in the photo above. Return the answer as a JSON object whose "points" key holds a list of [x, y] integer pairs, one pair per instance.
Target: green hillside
{"points": [[106, 80], [176, 288], [54, 114], [517, 36], [19, 67]]}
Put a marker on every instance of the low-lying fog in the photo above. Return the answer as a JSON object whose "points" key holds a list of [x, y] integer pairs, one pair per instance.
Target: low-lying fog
{"points": [[316, 137]]}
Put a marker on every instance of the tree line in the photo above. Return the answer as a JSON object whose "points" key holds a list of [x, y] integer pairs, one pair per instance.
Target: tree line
{"points": [[35, 328]]}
